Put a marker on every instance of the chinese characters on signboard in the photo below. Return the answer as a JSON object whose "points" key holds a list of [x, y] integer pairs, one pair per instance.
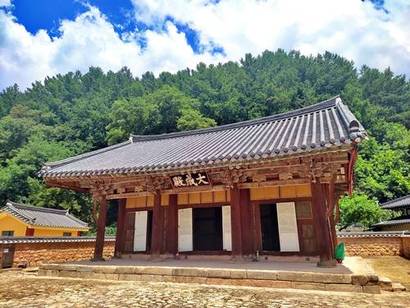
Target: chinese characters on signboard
{"points": [[190, 179]]}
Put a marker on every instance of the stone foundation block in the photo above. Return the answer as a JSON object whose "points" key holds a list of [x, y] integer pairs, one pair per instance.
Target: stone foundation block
{"points": [[315, 277], [125, 270], [69, 267], [84, 268], [343, 287], [308, 285], [398, 287], [94, 275], [371, 289], [218, 273], [289, 276], [192, 272], [238, 274], [187, 279], [268, 275], [111, 276], [128, 277], [104, 269], [69, 274], [42, 272], [154, 270], [385, 283], [51, 266], [373, 279], [360, 280]]}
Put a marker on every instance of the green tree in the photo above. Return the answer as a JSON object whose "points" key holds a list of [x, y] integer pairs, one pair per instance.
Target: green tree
{"points": [[193, 119], [360, 209]]}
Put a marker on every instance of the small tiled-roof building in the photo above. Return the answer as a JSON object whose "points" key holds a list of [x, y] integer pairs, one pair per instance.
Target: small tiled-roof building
{"points": [[400, 223], [263, 186], [24, 220]]}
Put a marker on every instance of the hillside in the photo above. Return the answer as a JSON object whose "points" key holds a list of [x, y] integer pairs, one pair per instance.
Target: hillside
{"points": [[73, 113]]}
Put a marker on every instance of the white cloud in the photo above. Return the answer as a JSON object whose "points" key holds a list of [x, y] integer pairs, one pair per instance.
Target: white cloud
{"points": [[4, 3], [89, 40], [352, 28]]}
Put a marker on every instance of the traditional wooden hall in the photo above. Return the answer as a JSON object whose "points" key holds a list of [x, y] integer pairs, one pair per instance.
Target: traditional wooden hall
{"points": [[267, 186]]}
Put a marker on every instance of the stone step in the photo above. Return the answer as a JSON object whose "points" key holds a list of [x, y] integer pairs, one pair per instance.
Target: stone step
{"points": [[218, 276], [398, 287], [385, 284]]}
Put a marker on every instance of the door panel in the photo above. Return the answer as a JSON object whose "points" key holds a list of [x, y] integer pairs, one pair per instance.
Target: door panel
{"points": [[269, 227], [149, 230], [140, 231], [207, 228], [226, 228], [129, 232], [288, 227], [185, 230]]}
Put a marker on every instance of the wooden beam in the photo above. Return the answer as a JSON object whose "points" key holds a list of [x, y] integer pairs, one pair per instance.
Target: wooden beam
{"points": [[274, 183], [101, 221], [129, 195], [195, 189]]}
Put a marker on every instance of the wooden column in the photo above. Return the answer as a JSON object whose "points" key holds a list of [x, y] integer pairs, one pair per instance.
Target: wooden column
{"points": [[236, 228], [246, 221], [119, 236], [321, 224], [157, 226], [256, 228], [172, 225], [332, 201], [101, 201]]}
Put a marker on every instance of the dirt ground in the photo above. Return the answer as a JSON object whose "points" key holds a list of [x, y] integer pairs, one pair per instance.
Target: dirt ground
{"points": [[396, 268], [19, 289]]}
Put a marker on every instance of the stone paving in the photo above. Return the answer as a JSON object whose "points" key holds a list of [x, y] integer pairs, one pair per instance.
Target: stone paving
{"points": [[20, 289]]}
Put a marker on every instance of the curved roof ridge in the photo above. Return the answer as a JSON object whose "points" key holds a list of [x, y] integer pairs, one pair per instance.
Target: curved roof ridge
{"points": [[76, 219], [397, 199], [43, 217], [331, 102], [37, 208], [13, 206], [391, 203], [84, 155]]}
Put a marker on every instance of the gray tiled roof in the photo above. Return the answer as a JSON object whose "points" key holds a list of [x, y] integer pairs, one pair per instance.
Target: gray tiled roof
{"points": [[397, 203], [44, 217], [314, 128], [393, 222]]}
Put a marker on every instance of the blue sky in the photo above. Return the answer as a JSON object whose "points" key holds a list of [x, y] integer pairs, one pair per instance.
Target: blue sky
{"points": [[46, 37]]}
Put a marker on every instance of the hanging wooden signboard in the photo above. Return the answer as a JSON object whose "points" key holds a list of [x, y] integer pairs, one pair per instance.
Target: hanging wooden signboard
{"points": [[190, 180]]}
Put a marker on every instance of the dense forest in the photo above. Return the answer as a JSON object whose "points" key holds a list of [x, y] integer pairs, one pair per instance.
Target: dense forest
{"points": [[73, 113]]}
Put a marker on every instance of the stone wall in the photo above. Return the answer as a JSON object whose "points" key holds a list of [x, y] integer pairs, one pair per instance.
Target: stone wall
{"points": [[368, 244], [33, 253]]}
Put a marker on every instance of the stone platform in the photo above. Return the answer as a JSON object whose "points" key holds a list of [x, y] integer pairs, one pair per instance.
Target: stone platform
{"points": [[296, 275]]}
